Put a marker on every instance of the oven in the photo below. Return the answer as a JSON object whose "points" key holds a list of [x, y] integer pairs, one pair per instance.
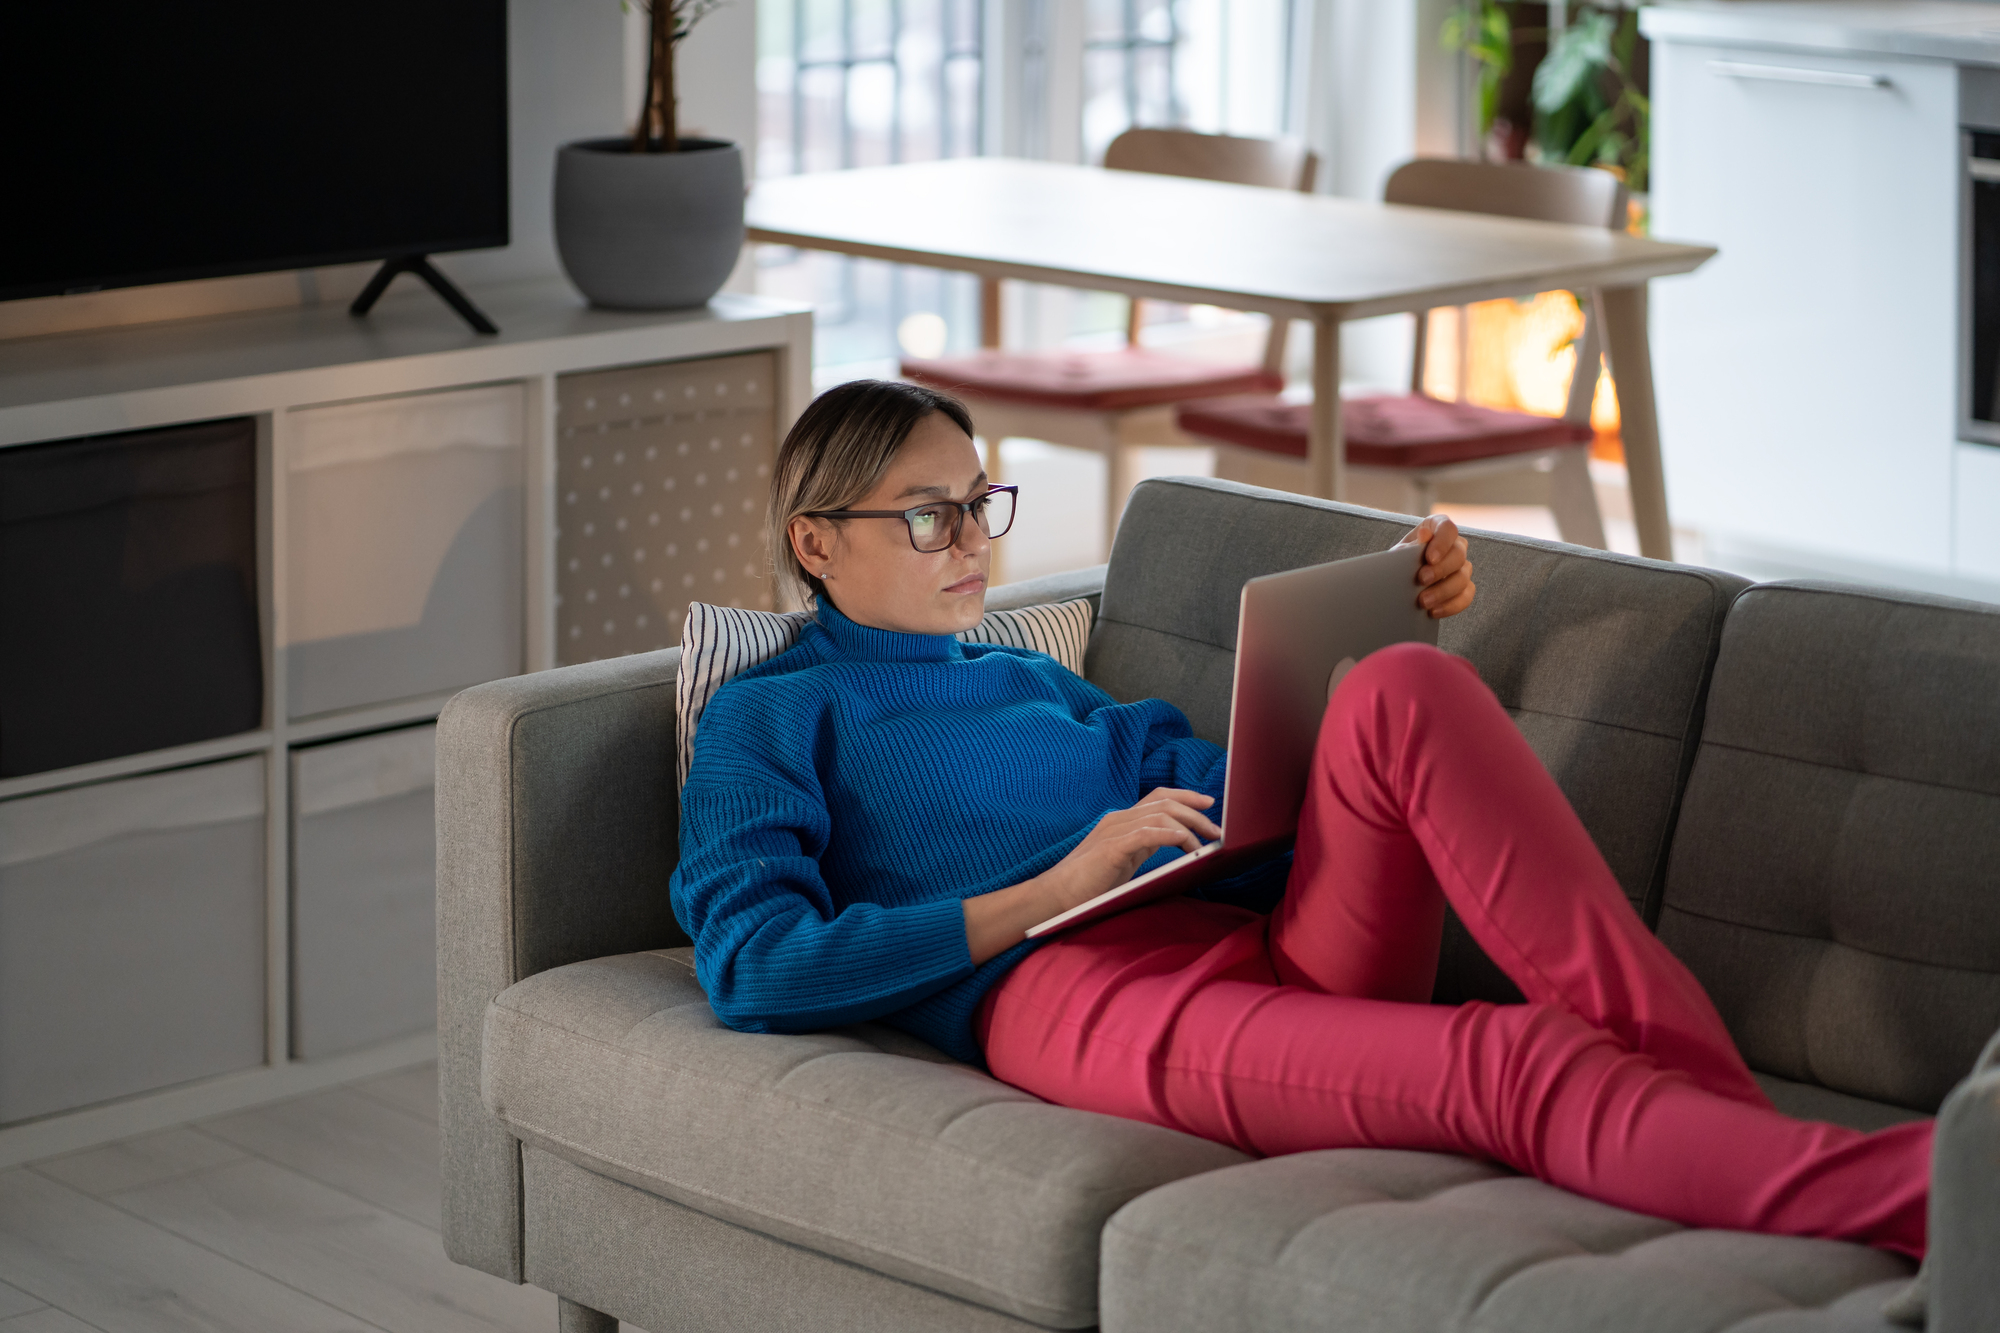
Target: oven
{"points": [[1979, 258]]}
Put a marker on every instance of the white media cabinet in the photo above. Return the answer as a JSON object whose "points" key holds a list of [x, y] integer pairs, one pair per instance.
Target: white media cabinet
{"points": [[310, 379]]}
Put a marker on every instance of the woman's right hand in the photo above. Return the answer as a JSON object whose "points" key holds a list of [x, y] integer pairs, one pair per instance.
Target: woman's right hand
{"points": [[1123, 839], [1106, 858]]}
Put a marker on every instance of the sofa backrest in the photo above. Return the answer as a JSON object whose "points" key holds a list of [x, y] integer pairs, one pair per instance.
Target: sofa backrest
{"points": [[1835, 876], [1602, 659]]}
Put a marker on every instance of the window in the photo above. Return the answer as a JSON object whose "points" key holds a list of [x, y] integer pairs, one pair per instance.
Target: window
{"points": [[853, 83], [856, 83], [1218, 66], [1128, 69]]}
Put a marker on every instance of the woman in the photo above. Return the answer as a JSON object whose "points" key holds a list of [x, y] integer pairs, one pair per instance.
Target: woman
{"points": [[874, 819]]}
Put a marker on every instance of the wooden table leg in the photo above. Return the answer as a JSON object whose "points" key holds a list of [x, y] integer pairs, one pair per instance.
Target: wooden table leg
{"points": [[1326, 461], [990, 331], [989, 312], [1117, 483], [1622, 312]]}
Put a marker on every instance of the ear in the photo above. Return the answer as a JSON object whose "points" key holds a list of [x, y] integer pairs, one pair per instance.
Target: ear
{"points": [[812, 543]]}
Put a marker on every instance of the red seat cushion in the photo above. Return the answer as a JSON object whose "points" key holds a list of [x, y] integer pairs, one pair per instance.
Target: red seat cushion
{"points": [[1087, 381], [1395, 430]]}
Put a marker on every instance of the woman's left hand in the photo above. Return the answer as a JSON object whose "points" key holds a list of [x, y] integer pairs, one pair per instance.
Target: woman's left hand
{"points": [[1446, 575]]}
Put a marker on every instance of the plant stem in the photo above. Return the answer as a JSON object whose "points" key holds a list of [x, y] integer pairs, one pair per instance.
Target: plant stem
{"points": [[670, 117], [656, 130], [641, 132]]}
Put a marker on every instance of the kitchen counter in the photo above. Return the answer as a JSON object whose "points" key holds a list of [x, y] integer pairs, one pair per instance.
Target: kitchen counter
{"points": [[1962, 31]]}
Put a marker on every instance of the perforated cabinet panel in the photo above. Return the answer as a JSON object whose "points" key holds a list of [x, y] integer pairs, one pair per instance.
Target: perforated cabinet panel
{"points": [[662, 474]]}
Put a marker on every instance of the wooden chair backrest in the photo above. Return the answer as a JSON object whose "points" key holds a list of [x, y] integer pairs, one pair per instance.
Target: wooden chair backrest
{"points": [[1581, 196], [1277, 164]]}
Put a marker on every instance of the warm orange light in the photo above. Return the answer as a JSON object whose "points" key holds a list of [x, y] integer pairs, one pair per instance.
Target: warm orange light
{"points": [[1517, 355]]}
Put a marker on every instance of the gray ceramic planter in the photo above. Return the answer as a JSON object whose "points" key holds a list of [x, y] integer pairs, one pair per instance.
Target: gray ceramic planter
{"points": [[648, 231]]}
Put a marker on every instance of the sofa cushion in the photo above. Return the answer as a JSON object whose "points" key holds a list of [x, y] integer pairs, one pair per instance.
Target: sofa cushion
{"points": [[1601, 659], [1833, 877], [921, 1168], [720, 642], [1809, 1101], [1372, 1239]]}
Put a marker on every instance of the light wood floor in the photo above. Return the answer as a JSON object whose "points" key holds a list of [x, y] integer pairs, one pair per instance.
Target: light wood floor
{"points": [[318, 1215]]}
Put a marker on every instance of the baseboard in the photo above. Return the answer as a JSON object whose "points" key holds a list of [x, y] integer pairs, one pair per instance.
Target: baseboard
{"points": [[145, 1113]]}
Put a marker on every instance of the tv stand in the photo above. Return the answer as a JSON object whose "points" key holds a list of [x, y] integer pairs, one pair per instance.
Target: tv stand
{"points": [[388, 379], [421, 266]]}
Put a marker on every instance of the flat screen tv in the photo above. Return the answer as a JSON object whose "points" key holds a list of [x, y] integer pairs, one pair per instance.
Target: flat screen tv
{"points": [[145, 142]]}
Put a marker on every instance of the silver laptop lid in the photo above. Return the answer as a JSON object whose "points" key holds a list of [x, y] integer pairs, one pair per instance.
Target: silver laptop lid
{"points": [[1296, 633]]}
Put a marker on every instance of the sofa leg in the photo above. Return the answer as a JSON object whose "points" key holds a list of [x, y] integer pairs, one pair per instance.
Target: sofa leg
{"points": [[574, 1318]]}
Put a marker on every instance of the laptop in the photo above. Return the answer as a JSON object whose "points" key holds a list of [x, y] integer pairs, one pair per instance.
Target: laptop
{"points": [[1297, 634]]}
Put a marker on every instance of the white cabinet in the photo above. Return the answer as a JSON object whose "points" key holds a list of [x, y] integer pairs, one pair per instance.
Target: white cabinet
{"points": [[661, 473], [1807, 374], [1975, 528], [131, 936], [403, 572], [195, 923], [364, 891]]}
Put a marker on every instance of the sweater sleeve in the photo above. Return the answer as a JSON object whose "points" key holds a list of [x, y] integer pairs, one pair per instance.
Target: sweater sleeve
{"points": [[771, 950], [1171, 755], [1187, 762]]}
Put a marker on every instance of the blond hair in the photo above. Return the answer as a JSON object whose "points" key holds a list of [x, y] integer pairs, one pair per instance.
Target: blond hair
{"points": [[835, 454]]}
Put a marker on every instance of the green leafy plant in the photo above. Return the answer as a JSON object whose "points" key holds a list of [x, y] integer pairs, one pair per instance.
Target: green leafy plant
{"points": [[1484, 32], [1588, 109], [669, 21]]}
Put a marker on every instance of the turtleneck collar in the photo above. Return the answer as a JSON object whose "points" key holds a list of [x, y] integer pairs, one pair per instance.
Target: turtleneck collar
{"points": [[867, 644]]}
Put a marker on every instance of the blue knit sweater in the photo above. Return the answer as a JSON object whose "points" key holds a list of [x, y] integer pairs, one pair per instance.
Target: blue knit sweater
{"points": [[847, 795]]}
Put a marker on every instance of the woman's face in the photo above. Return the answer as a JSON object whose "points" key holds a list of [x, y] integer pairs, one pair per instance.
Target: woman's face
{"points": [[873, 573]]}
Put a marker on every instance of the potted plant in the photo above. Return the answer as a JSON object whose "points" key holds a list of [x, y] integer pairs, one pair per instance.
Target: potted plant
{"points": [[1588, 107], [650, 220], [1584, 105]]}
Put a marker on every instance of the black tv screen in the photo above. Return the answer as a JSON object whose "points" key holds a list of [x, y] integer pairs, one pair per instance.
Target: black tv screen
{"points": [[150, 142]]}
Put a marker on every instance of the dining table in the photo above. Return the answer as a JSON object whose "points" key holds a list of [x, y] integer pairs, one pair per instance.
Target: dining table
{"points": [[1318, 258]]}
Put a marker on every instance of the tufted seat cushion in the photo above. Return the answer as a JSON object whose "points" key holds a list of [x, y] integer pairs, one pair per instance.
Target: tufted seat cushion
{"points": [[1369, 1239], [1128, 378], [842, 1142]]}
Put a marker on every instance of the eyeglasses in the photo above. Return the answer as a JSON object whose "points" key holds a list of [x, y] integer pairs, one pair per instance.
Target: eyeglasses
{"points": [[935, 526]]}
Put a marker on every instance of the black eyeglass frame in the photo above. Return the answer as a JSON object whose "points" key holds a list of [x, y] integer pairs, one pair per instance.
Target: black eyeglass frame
{"points": [[959, 508]]}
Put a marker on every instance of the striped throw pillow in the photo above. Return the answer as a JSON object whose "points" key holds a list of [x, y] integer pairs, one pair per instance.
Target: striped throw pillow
{"points": [[717, 642]]}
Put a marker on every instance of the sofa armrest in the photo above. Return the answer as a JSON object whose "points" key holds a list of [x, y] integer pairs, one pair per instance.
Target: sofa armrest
{"points": [[1965, 1207], [1067, 586], [558, 824]]}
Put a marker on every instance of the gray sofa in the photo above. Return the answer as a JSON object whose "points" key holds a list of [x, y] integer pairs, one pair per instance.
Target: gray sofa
{"points": [[1799, 784]]}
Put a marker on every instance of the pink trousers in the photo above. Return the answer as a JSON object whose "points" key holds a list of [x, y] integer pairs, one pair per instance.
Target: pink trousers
{"points": [[1311, 1028]]}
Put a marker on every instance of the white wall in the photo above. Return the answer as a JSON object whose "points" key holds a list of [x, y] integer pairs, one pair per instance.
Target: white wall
{"points": [[566, 75]]}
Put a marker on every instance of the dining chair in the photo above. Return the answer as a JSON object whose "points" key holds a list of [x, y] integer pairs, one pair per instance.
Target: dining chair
{"points": [[1407, 452], [1112, 401]]}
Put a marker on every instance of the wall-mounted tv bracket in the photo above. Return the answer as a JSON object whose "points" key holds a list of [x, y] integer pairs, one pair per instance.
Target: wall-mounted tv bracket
{"points": [[421, 266]]}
